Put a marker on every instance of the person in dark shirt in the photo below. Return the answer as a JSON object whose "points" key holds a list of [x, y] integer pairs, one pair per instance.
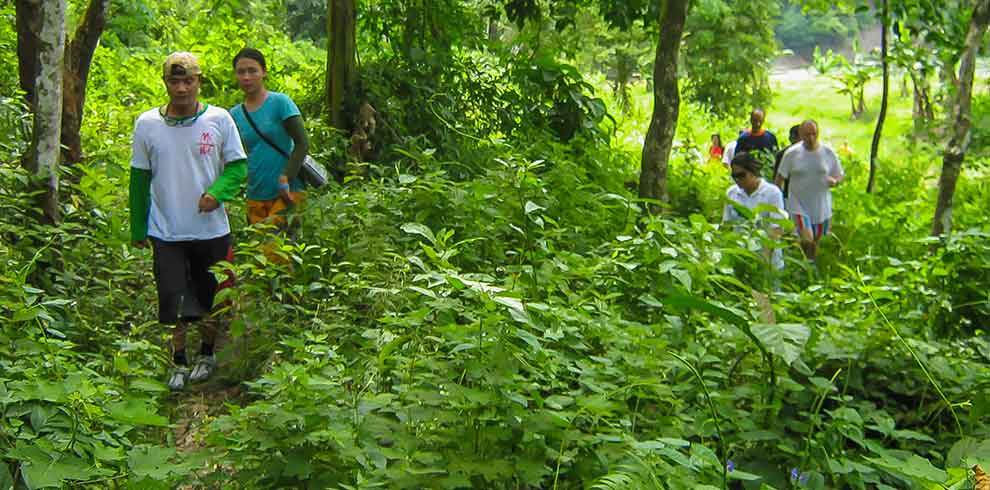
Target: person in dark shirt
{"points": [[758, 141]]}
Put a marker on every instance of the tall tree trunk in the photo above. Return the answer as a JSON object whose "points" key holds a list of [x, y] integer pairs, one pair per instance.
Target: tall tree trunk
{"points": [[666, 104], [43, 154], [955, 149], [78, 56], [28, 22], [341, 59], [884, 62]]}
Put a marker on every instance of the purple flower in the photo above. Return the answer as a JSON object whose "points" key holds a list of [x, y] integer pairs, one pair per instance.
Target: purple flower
{"points": [[794, 474], [730, 465], [803, 479]]}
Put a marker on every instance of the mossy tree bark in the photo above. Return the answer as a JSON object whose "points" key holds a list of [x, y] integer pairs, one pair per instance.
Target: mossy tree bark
{"points": [[78, 57], [342, 73], [666, 104], [43, 53]]}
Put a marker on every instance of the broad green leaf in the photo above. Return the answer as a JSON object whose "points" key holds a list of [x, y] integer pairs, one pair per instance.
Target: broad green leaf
{"points": [[149, 385], [150, 461], [968, 449], [915, 467], [6, 480], [912, 435], [918, 467], [137, 412], [52, 473], [683, 276], [462, 347], [516, 308], [673, 441], [648, 300], [40, 416], [742, 475], [558, 402], [532, 207], [785, 340], [421, 230], [696, 303], [26, 314], [528, 338]]}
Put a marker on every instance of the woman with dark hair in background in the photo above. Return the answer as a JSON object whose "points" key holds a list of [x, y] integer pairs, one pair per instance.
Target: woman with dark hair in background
{"points": [[751, 190], [271, 127]]}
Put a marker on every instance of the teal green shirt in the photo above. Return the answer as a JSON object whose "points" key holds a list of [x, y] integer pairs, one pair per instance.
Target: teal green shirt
{"points": [[266, 164]]}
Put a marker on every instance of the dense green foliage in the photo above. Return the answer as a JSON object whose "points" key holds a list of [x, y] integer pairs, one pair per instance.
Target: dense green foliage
{"points": [[730, 77], [801, 28], [487, 306]]}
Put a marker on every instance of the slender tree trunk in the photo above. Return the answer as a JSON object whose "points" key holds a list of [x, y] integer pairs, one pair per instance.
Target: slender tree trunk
{"points": [[884, 62], [43, 154], [493, 30], [955, 149], [922, 112], [341, 59], [666, 104], [78, 57]]}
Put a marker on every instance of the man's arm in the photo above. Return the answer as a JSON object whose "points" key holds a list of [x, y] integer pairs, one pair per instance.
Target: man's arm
{"points": [[228, 185], [139, 197], [836, 174]]}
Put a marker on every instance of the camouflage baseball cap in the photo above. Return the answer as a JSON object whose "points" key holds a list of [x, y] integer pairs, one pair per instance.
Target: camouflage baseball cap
{"points": [[181, 63]]}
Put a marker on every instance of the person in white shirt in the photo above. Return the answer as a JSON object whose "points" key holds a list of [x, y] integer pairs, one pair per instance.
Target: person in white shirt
{"points": [[186, 161], [728, 152], [750, 191], [813, 169]]}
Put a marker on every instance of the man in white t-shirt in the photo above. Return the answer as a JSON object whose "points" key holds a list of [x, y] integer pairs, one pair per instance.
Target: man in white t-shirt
{"points": [[813, 169], [186, 160]]}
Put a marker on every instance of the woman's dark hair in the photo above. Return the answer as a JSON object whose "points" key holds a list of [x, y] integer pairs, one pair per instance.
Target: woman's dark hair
{"points": [[251, 54], [718, 137], [748, 162]]}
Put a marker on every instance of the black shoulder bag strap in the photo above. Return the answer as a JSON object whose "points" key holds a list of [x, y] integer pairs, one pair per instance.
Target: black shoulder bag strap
{"points": [[247, 115]]}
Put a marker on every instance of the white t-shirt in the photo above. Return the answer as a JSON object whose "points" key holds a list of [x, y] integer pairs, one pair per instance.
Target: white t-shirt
{"points": [[729, 152], [184, 162], [765, 193], [808, 193]]}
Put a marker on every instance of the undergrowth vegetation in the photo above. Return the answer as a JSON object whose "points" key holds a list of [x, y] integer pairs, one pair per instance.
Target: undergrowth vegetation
{"points": [[489, 307]]}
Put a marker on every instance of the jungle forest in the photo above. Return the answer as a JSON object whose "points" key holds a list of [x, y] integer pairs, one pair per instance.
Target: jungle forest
{"points": [[494, 244]]}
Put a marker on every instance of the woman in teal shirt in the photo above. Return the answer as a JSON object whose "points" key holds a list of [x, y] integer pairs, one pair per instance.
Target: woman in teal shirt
{"points": [[271, 127]]}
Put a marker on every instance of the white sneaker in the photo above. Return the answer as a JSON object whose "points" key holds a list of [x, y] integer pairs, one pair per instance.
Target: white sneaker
{"points": [[177, 381], [204, 367]]}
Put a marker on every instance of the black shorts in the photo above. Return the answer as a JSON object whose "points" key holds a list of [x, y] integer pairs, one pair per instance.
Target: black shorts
{"points": [[186, 287]]}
